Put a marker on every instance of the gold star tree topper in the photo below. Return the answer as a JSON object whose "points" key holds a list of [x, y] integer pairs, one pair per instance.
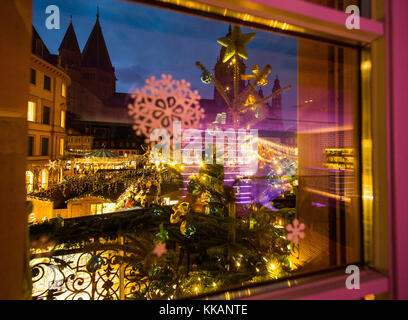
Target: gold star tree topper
{"points": [[235, 43]]}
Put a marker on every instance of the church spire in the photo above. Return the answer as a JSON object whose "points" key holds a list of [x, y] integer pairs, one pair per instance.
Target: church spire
{"points": [[70, 42], [277, 101], [260, 93], [95, 53]]}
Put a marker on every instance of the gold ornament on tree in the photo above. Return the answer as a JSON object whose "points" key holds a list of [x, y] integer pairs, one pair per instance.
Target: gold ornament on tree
{"points": [[255, 70], [250, 100]]}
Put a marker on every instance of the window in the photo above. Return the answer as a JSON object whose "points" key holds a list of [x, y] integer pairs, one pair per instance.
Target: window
{"points": [[62, 124], [30, 146], [46, 115], [47, 83], [44, 146], [44, 178], [289, 201], [29, 181], [31, 111], [61, 147], [33, 75], [96, 208], [63, 89]]}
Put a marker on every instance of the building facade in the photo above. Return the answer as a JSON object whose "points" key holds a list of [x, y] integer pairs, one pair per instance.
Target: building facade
{"points": [[46, 117]]}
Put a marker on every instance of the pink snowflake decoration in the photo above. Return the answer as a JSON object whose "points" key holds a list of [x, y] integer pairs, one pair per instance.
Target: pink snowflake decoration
{"points": [[163, 101], [160, 249], [295, 232]]}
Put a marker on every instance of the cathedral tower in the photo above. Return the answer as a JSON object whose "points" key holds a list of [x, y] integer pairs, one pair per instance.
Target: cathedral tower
{"points": [[69, 52], [96, 67], [70, 60], [276, 110], [224, 72]]}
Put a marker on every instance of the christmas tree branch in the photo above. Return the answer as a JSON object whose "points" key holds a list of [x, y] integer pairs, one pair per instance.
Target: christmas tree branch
{"points": [[251, 87], [236, 78], [271, 96], [217, 84]]}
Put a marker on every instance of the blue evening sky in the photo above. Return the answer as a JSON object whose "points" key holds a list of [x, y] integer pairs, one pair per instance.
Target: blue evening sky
{"points": [[143, 41]]}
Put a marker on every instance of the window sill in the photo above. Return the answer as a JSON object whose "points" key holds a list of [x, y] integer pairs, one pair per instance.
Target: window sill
{"points": [[326, 286]]}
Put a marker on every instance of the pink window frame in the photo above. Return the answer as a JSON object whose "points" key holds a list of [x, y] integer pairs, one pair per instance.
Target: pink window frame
{"points": [[397, 111], [332, 22]]}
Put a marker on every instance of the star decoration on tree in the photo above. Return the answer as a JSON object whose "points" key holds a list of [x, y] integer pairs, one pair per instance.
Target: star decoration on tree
{"points": [[235, 44]]}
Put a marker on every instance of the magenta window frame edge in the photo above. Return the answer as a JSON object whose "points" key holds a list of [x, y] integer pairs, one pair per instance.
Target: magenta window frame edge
{"points": [[397, 97], [320, 12], [369, 29]]}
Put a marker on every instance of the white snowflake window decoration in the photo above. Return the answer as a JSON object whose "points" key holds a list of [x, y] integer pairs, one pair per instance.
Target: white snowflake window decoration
{"points": [[52, 164], [161, 102]]}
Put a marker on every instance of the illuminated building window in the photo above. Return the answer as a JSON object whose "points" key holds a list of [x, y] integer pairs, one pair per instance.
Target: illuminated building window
{"points": [[44, 179], [96, 208], [64, 89], [60, 175], [29, 181], [31, 111], [61, 147], [62, 119]]}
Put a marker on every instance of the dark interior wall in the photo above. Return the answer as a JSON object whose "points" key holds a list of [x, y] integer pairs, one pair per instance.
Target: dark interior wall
{"points": [[15, 43]]}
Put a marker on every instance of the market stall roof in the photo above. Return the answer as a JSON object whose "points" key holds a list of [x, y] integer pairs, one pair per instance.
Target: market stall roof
{"points": [[102, 153], [108, 185]]}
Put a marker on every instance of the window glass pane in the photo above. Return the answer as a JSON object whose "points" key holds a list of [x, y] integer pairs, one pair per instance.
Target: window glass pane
{"points": [[29, 181], [62, 119], [30, 145], [44, 179], [31, 111], [61, 150], [63, 90], [46, 115], [262, 132], [47, 83], [32, 76], [44, 146]]}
